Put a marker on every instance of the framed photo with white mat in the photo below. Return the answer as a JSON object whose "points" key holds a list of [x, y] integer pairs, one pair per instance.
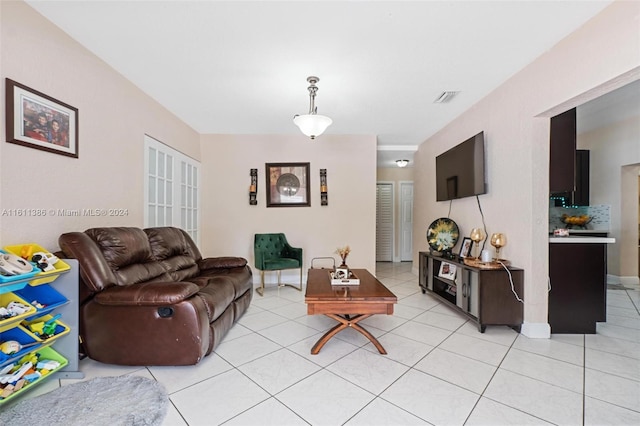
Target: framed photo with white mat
{"points": [[447, 270]]}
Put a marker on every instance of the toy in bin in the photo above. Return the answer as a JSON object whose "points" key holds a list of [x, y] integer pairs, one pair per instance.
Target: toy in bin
{"points": [[44, 261], [11, 265], [13, 309], [11, 347], [44, 329]]}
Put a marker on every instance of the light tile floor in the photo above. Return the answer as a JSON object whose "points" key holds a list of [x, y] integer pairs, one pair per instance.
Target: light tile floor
{"points": [[439, 369]]}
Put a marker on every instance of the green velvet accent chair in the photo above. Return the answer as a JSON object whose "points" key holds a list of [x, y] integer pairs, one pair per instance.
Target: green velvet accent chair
{"points": [[273, 253]]}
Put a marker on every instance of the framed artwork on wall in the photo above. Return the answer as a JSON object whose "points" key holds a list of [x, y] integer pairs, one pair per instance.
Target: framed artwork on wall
{"points": [[38, 121], [288, 185]]}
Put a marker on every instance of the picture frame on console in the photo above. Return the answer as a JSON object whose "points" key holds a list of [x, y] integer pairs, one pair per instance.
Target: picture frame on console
{"points": [[38, 121], [465, 247], [288, 184], [447, 270]]}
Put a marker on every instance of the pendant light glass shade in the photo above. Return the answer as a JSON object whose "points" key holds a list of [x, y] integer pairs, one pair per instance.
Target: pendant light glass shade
{"points": [[312, 125]]}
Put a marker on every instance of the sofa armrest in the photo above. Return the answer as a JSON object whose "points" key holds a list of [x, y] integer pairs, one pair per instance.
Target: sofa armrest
{"points": [[147, 294], [222, 263]]}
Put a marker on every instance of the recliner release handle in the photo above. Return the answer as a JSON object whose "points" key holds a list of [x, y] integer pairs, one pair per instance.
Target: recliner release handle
{"points": [[165, 311]]}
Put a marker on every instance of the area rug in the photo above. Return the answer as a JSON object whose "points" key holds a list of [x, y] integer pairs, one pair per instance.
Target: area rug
{"points": [[122, 400]]}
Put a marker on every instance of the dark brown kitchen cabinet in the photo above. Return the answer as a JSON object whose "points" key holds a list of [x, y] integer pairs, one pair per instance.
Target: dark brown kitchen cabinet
{"points": [[562, 156], [578, 280], [580, 197]]}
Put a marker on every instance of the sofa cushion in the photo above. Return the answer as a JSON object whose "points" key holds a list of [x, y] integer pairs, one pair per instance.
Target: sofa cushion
{"points": [[171, 248], [239, 277], [217, 296], [222, 262], [128, 253]]}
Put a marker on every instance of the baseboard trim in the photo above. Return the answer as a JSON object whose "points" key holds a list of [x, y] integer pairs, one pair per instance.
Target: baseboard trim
{"points": [[536, 330], [618, 280], [629, 280]]}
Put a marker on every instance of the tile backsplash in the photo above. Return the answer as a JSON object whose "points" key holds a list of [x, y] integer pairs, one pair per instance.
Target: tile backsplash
{"points": [[601, 216]]}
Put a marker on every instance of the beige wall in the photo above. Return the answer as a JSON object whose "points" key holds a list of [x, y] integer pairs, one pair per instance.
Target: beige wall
{"points": [[229, 222], [113, 117], [612, 147], [515, 120], [396, 175]]}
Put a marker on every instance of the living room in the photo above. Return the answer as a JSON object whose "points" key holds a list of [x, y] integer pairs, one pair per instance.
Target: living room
{"points": [[115, 115]]}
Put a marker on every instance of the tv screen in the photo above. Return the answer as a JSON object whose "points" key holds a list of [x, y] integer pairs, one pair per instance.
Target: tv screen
{"points": [[460, 170]]}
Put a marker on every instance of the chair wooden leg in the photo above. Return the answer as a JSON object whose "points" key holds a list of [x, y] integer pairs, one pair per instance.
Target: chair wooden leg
{"points": [[260, 290]]}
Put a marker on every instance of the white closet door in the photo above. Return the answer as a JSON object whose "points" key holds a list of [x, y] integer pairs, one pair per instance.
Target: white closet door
{"points": [[384, 222], [406, 221]]}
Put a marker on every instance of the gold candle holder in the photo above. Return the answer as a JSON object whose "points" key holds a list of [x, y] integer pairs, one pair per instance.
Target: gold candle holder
{"points": [[477, 235], [498, 240]]}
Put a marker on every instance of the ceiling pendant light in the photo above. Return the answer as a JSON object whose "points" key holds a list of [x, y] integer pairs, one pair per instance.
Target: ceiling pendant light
{"points": [[402, 163], [312, 124]]}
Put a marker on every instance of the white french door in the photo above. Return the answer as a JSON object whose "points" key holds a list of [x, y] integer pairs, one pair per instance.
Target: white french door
{"points": [[171, 188]]}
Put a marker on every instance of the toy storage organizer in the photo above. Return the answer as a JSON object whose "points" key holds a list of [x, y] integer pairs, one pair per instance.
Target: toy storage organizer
{"points": [[58, 292]]}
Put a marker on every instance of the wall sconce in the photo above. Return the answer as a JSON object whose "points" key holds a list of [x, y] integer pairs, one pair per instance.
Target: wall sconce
{"points": [[323, 188], [253, 188]]}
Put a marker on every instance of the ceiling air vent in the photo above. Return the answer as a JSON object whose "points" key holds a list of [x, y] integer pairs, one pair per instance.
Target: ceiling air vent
{"points": [[445, 97]]}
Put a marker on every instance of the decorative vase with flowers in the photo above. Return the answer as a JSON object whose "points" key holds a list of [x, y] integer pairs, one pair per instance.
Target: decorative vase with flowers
{"points": [[343, 252]]}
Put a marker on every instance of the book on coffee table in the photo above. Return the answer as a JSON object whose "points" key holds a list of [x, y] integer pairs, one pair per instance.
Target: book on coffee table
{"points": [[352, 279]]}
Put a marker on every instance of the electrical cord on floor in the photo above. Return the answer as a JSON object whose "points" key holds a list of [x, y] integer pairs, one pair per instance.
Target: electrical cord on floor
{"points": [[511, 280]]}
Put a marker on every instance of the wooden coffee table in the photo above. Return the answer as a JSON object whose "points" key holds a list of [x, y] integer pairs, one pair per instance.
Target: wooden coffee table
{"points": [[347, 304]]}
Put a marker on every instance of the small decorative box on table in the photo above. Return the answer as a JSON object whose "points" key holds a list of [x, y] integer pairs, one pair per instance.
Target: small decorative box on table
{"points": [[343, 279]]}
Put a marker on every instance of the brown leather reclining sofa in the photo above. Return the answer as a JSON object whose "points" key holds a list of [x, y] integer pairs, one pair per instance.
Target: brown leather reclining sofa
{"points": [[147, 297]]}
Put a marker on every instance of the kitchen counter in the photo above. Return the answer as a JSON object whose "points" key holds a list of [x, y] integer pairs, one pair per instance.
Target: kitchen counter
{"points": [[582, 240]]}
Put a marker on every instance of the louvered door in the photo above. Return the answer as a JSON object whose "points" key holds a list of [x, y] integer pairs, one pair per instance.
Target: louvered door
{"points": [[384, 222]]}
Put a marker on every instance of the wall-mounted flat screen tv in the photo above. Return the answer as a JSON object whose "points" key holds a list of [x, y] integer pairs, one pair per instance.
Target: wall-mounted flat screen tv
{"points": [[460, 170]]}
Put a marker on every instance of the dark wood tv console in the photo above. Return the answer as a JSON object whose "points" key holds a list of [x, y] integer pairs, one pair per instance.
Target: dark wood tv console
{"points": [[484, 295]]}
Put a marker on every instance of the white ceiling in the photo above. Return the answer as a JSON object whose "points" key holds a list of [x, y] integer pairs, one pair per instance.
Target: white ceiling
{"points": [[240, 67]]}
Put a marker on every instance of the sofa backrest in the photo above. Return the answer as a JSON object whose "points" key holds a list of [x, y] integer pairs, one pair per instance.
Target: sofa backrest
{"points": [[128, 253], [95, 272], [175, 250], [122, 256]]}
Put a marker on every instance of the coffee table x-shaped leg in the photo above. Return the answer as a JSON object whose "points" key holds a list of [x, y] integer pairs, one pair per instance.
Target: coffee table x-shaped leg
{"points": [[344, 322]]}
